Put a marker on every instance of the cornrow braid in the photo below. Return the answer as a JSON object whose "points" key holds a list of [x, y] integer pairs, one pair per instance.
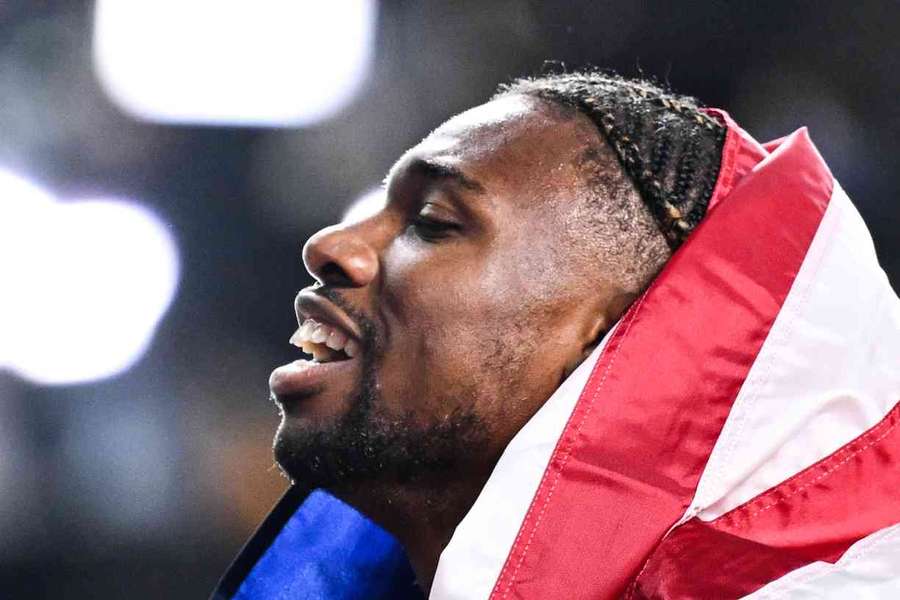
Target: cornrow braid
{"points": [[669, 148]]}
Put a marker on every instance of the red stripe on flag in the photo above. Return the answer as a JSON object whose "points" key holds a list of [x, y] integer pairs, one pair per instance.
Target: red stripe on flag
{"points": [[815, 515], [629, 459]]}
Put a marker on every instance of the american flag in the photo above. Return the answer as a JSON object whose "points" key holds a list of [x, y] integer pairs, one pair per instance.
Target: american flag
{"points": [[733, 436]]}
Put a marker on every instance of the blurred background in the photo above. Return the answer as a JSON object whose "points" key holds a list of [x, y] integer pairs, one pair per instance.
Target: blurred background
{"points": [[161, 163]]}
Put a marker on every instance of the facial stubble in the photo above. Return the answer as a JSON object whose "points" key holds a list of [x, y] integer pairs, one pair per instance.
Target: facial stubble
{"points": [[368, 445]]}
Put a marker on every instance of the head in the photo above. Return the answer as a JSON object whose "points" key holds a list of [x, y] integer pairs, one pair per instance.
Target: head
{"points": [[510, 240]]}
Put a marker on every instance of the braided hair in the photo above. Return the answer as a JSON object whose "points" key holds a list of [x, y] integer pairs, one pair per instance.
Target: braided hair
{"points": [[668, 147]]}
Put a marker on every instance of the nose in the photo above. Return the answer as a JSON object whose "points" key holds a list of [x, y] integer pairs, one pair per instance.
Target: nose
{"points": [[339, 256]]}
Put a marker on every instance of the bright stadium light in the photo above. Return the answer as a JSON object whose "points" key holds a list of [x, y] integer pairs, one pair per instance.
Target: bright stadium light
{"points": [[365, 206], [231, 62], [85, 283]]}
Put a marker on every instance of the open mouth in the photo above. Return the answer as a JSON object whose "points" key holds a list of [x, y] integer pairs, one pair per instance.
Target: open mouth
{"points": [[331, 341], [323, 342]]}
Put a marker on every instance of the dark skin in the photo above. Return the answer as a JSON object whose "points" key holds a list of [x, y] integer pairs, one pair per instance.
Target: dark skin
{"points": [[482, 297]]}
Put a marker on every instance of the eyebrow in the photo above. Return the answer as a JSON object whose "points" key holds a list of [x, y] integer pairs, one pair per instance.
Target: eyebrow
{"points": [[434, 169]]}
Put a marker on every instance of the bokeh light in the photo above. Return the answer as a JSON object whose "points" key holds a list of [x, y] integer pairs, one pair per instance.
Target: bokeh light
{"points": [[269, 62], [365, 206], [87, 283]]}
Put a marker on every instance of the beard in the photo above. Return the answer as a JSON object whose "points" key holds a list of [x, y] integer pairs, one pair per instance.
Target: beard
{"points": [[366, 445]]}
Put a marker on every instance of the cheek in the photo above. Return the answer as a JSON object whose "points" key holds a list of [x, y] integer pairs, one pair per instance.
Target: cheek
{"points": [[434, 312], [427, 285], [454, 296], [460, 332]]}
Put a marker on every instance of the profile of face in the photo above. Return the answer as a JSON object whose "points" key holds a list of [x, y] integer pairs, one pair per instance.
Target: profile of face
{"points": [[443, 321]]}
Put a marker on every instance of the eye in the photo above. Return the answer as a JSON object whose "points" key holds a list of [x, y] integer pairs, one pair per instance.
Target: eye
{"points": [[430, 228]]}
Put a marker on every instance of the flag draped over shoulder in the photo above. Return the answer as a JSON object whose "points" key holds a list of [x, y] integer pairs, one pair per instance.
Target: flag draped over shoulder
{"points": [[734, 435]]}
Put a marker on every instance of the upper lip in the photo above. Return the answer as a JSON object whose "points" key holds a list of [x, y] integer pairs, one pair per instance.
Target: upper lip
{"points": [[310, 305]]}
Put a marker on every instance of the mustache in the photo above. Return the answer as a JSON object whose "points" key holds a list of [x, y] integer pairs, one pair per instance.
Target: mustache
{"points": [[366, 325]]}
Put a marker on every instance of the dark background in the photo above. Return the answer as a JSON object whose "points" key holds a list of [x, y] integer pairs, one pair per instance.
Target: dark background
{"points": [[146, 484]]}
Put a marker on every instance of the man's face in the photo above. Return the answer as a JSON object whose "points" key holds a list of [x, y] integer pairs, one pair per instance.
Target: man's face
{"points": [[465, 298]]}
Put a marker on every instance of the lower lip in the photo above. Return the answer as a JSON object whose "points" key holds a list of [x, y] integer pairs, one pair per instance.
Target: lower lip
{"points": [[304, 376]]}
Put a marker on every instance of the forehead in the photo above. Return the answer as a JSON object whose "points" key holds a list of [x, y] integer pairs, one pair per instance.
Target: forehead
{"points": [[484, 130], [513, 140]]}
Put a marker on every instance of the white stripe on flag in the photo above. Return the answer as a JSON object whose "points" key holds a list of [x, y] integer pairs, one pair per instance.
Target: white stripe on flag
{"points": [[827, 371]]}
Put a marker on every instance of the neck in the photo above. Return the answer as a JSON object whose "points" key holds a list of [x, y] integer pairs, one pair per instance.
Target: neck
{"points": [[422, 517]]}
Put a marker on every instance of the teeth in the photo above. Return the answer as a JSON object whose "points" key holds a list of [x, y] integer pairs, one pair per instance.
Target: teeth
{"points": [[324, 342], [306, 329], [336, 340], [320, 334]]}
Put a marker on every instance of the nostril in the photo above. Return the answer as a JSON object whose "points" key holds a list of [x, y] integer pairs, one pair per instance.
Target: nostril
{"points": [[341, 256], [332, 274]]}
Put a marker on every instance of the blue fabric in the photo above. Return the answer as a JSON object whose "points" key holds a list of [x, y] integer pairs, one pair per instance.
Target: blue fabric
{"points": [[327, 550]]}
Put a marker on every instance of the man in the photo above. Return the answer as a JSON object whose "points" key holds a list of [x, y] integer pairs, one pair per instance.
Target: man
{"points": [[493, 383]]}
